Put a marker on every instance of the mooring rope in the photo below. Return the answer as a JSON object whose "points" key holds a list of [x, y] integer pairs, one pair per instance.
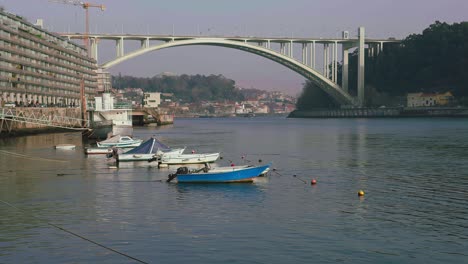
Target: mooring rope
{"points": [[29, 157], [74, 234]]}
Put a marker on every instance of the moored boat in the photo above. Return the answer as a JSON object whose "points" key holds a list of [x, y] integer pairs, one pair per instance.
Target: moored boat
{"points": [[219, 174], [119, 141], [172, 159], [90, 151], [146, 151], [65, 146]]}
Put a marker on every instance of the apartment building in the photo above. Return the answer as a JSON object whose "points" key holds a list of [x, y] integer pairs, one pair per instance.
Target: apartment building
{"points": [[40, 67]]}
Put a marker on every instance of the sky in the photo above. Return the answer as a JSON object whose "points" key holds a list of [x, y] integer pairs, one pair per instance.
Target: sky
{"points": [[291, 18]]}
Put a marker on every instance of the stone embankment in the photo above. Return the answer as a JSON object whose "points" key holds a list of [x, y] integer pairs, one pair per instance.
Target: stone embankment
{"points": [[382, 112]]}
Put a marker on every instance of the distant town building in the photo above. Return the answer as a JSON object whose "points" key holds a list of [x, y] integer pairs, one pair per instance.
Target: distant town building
{"points": [[151, 99], [429, 99], [39, 67]]}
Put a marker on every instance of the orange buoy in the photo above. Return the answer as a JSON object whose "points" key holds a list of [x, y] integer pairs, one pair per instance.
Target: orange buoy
{"points": [[313, 182], [360, 193]]}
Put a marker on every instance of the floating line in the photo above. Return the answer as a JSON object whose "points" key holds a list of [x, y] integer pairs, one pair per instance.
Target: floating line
{"points": [[29, 157], [74, 234]]}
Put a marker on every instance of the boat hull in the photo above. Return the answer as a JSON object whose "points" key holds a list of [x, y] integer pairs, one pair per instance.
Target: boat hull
{"points": [[135, 157], [223, 176], [189, 159], [91, 151]]}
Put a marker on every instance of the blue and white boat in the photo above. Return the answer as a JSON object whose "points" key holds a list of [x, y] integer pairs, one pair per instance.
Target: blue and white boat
{"points": [[219, 174]]}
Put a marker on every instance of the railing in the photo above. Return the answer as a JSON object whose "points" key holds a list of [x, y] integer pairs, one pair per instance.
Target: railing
{"points": [[9, 115]]}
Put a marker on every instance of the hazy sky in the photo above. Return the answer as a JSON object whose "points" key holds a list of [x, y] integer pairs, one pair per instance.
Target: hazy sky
{"points": [[298, 18]]}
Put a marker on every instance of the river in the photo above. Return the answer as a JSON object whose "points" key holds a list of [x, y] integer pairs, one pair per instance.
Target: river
{"points": [[414, 173]]}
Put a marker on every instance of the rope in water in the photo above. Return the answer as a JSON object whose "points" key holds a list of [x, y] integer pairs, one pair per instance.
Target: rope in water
{"points": [[74, 234], [28, 157]]}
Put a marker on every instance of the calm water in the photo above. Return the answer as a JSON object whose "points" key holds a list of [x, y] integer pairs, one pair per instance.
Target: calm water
{"points": [[414, 173]]}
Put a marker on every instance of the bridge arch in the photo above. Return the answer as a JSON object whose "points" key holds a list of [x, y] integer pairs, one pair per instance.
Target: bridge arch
{"points": [[325, 84]]}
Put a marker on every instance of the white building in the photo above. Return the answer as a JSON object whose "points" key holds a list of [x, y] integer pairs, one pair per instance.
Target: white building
{"points": [[151, 99]]}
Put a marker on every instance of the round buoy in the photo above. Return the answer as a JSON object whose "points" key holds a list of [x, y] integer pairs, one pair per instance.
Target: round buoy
{"points": [[313, 182], [360, 193], [193, 151], [232, 165], [259, 161], [242, 157]]}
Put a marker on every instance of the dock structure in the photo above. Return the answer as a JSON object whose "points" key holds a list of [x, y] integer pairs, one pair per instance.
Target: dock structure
{"points": [[33, 119]]}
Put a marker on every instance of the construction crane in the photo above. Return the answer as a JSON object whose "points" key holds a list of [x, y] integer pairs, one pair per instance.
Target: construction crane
{"points": [[86, 7]]}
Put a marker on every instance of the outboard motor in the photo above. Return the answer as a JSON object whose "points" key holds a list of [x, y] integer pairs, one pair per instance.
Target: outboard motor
{"points": [[182, 170]]}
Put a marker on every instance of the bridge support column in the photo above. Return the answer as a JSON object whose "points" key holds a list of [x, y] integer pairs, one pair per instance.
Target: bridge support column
{"points": [[291, 52], [120, 47], [304, 53], [145, 43], [94, 48], [326, 54], [361, 67], [335, 62], [312, 55], [332, 62], [345, 70], [268, 44], [282, 48]]}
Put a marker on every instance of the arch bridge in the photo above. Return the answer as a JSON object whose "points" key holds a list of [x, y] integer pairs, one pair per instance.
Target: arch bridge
{"points": [[279, 50]]}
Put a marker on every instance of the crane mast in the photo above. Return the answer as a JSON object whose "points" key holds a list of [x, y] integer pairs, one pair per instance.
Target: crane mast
{"points": [[86, 6]]}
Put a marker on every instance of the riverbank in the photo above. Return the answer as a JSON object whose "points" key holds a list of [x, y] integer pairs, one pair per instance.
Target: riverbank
{"points": [[382, 112]]}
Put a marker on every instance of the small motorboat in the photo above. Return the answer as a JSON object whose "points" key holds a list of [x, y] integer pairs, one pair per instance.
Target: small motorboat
{"points": [[65, 146], [219, 174], [120, 142], [147, 151], [172, 159], [90, 151]]}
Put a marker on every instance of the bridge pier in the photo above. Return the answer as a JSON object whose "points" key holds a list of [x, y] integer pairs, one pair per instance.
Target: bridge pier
{"points": [[345, 68], [312, 55], [119, 44], [361, 65], [304, 53], [94, 48], [283, 48]]}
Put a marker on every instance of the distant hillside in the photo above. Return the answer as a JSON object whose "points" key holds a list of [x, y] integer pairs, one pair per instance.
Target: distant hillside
{"points": [[188, 88]]}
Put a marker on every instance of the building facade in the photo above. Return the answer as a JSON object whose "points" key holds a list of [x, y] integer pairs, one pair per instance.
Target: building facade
{"points": [[151, 99], [429, 99], [39, 67]]}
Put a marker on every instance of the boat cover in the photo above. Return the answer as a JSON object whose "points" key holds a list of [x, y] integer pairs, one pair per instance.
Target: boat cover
{"points": [[150, 146], [113, 139]]}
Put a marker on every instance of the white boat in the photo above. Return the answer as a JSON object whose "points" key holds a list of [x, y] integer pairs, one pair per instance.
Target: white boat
{"points": [[188, 158], [147, 151], [119, 141], [65, 146], [90, 151]]}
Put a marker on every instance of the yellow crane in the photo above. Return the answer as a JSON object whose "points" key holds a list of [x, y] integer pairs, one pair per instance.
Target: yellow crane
{"points": [[86, 6]]}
